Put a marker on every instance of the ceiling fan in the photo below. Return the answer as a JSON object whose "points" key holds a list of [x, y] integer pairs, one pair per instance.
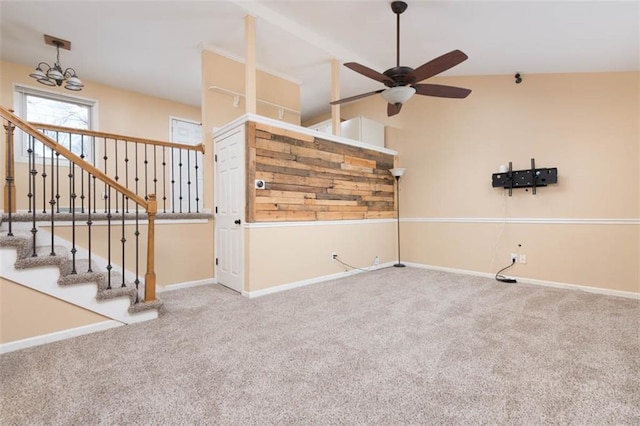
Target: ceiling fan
{"points": [[402, 82]]}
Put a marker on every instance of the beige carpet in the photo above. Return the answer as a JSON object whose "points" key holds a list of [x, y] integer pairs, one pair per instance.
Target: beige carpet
{"points": [[396, 346]]}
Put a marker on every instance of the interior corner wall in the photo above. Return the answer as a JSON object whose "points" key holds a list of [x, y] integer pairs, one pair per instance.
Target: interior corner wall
{"points": [[218, 108], [584, 230]]}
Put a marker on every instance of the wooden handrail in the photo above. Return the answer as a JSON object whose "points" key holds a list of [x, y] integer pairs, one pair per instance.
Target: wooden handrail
{"points": [[32, 131], [117, 137]]}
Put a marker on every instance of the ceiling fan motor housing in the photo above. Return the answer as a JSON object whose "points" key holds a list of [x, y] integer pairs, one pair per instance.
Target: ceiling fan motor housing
{"points": [[397, 74]]}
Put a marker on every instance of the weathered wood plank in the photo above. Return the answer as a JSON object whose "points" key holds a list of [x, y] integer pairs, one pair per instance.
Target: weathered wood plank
{"points": [[273, 146], [313, 153], [300, 207], [380, 215], [284, 132], [274, 154], [287, 194], [250, 165], [331, 202], [362, 162], [282, 216]]}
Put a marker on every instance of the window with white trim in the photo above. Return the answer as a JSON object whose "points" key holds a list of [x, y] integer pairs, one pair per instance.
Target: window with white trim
{"points": [[39, 106]]}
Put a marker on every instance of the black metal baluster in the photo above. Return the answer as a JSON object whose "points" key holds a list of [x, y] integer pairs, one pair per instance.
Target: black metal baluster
{"points": [[44, 180], [70, 176], [197, 153], [146, 174], [173, 182], [89, 221], [164, 179], [106, 195], [34, 172], [57, 182], [136, 179], [126, 167], [116, 177], [93, 178], [82, 175], [72, 189], [180, 176], [30, 158], [52, 203], [155, 167], [123, 240], [109, 267], [188, 182]]}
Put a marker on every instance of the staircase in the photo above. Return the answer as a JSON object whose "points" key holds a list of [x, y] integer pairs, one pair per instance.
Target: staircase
{"points": [[108, 205], [88, 284]]}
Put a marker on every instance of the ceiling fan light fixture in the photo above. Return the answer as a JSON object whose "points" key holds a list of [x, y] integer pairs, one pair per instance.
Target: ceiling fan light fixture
{"points": [[398, 94]]}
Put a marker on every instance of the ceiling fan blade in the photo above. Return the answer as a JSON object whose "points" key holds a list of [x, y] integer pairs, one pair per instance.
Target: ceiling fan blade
{"points": [[393, 109], [356, 97], [441, 91], [368, 72], [435, 66]]}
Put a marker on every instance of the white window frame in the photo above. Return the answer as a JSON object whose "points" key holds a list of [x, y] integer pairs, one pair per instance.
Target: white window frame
{"points": [[20, 94]]}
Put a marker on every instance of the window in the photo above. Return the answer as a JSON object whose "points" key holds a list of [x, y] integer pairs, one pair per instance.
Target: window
{"points": [[51, 108]]}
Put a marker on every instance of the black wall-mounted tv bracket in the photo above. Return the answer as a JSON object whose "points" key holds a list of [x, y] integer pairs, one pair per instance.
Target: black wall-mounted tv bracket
{"points": [[530, 178]]}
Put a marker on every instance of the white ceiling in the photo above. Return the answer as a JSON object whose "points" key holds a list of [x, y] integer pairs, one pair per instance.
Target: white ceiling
{"points": [[154, 46]]}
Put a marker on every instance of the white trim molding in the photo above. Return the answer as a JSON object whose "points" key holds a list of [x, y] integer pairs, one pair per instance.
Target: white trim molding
{"points": [[254, 225], [526, 220], [186, 284], [524, 280], [57, 336], [298, 129], [316, 280]]}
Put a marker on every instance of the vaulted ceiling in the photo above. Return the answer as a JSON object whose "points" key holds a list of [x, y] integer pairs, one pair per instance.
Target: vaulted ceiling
{"points": [[154, 47]]}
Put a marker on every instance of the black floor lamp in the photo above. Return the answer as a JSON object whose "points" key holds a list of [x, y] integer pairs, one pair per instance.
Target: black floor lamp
{"points": [[397, 172]]}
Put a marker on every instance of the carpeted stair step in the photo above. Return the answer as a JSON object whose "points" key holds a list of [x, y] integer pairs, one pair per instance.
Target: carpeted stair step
{"points": [[43, 257]]}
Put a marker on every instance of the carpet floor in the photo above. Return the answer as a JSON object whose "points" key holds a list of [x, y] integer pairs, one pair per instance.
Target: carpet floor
{"points": [[390, 347]]}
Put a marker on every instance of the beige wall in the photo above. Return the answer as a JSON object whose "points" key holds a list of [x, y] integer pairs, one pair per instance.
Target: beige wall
{"points": [[283, 255], [586, 125], [26, 313]]}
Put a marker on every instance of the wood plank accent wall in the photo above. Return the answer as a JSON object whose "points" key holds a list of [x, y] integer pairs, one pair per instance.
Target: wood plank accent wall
{"points": [[309, 178]]}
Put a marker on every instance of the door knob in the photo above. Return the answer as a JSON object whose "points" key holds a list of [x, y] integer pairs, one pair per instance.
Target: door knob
{"points": [[237, 222]]}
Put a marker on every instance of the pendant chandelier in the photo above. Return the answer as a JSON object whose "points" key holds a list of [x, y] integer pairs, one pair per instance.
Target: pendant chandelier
{"points": [[54, 75]]}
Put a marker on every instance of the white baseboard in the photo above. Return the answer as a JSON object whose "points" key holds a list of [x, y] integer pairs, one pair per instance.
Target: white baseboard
{"points": [[186, 284], [316, 280], [524, 280], [58, 335]]}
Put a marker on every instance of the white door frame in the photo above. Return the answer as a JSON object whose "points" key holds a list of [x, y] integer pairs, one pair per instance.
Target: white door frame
{"points": [[199, 177]]}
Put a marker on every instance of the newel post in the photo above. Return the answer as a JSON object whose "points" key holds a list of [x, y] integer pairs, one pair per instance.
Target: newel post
{"points": [[9, 168], [150, 277]]}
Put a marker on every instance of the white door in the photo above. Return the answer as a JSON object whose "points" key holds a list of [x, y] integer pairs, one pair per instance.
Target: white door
{"points": [[186, 192], [229, 207]]}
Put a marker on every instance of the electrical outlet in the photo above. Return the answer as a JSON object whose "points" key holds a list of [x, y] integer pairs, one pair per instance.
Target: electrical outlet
{"points": [[334, 256], [522, 258], [514, 257], [376, 261]]}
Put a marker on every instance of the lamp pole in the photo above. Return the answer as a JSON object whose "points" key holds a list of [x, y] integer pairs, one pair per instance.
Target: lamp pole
{"points": [[397, 172]]}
